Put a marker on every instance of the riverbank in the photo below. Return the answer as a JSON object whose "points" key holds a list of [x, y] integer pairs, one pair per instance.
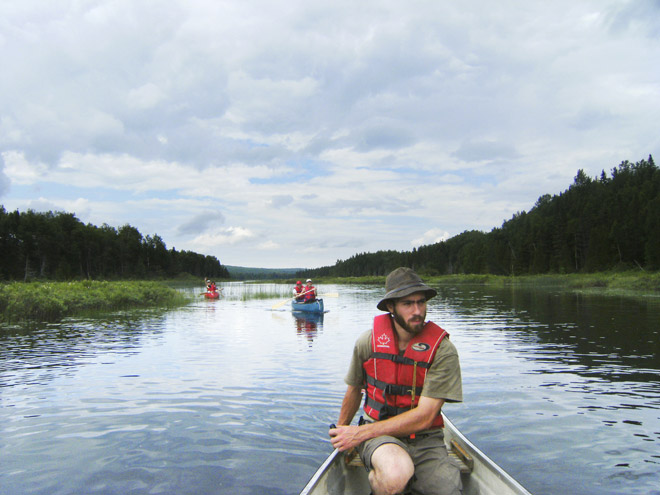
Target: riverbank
{"points": [[52, 301], [632, 282]]}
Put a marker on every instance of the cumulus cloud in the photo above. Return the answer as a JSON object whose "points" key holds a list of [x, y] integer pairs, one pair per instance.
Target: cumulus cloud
{"points": [[268, 245], [431, 236], [281, 200], [475, 151], [201, 222], [374, 120], [229, 235], [4, 180]]}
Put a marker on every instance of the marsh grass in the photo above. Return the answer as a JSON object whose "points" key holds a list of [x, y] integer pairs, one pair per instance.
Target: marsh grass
{"points": [[262, 294], [248, 291], [614, 282], [52, 301]]}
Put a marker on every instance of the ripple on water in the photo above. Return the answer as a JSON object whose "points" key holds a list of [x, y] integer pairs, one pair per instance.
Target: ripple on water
{"points": [[229, 397]]}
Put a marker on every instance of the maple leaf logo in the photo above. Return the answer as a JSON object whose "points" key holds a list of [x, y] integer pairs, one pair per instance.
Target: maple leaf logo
{"points": [[383, 341]]}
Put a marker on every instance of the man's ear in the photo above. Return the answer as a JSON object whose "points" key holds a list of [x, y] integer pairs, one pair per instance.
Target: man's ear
{"points": [[390, 307]]}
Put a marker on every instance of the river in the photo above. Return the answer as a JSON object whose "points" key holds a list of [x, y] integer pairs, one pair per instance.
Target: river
{"points": [[232, 397]]}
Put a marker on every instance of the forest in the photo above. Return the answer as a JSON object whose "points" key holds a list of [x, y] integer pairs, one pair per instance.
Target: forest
{"points": [[58, 246], [598, 224]]}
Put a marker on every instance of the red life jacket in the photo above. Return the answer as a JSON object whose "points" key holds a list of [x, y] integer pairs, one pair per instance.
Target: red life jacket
{"points": [[309, 296], [390, 375]]}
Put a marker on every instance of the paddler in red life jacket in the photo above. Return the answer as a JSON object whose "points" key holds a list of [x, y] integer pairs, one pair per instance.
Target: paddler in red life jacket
{"points": [[409, 369], [310, 291], [297, 290]]}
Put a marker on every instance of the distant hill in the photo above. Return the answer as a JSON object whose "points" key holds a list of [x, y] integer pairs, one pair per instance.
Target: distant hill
{"points": [[248, 273]]}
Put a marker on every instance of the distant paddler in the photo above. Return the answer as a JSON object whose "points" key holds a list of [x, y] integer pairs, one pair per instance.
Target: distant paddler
{"points": [[211, 288], [298, 291], [310, 292]]}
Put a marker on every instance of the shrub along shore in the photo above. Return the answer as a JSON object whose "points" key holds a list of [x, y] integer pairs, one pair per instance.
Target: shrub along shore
{"points": [[639, 283], [52, 301]]}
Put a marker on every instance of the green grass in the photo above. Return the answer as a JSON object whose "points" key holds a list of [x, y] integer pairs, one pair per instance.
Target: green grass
{"points": [[606, 282], [52, 301], [260, 294]]}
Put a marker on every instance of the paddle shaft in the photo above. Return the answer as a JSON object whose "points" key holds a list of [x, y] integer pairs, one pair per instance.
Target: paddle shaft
{"points": [[282, 303]]}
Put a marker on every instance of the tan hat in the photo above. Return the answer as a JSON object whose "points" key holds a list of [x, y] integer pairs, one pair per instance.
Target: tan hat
{"points": [[403, 282]]}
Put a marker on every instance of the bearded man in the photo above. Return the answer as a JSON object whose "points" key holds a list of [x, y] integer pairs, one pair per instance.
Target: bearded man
{"points": [[409, 369]]}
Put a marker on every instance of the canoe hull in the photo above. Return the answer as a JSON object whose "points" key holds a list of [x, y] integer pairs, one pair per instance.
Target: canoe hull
{"points": [[313, 307], [335, 476], [212, 295]]}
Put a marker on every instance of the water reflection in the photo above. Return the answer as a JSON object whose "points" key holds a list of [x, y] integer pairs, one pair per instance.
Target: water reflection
{"points": [[41, 352], [584, 365], [232, 397], [602, 337], [308, 325]]}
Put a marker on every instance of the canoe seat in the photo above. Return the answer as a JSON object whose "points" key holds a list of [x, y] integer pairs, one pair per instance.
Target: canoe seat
{"points": [[457, 453]]}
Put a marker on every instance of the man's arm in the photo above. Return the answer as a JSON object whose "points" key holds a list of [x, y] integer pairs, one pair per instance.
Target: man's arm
{"points": [[418, 419]]}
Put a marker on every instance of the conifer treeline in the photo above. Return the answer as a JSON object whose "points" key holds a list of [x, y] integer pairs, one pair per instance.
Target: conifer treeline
{"points": [[58, 246], [595, 225]]}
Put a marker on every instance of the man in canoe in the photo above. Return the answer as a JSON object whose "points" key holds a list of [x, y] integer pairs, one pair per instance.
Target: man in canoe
{"points": [[298, 290], [409, 369], [309, 291]]}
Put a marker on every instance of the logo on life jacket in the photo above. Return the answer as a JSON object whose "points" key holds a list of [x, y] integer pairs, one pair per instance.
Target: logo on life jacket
{"points": [[383, 340], [420, 346]]}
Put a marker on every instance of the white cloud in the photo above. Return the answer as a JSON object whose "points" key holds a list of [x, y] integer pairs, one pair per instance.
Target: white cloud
{"points": [[230, 235], [317, 130], [431, 237], [146, 96], [268, 246]]}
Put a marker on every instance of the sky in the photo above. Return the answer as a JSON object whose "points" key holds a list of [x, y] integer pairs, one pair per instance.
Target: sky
{"points": [[296, 133]]}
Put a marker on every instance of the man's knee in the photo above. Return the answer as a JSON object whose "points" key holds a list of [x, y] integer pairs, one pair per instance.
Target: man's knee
{"points": [[392, 469]]}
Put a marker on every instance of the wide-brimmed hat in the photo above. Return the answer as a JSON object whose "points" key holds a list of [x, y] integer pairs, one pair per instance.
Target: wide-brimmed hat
{"points": [[403, 282]]}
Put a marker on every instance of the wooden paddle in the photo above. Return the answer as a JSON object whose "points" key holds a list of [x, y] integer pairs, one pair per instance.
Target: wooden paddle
{"points": [[282, 303]]}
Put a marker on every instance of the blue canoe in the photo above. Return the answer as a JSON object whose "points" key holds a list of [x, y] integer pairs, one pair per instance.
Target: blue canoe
{"points": [[311, 307]]}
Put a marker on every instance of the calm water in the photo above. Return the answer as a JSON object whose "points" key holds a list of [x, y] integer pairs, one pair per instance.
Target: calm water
{"points": [[229, 397]]}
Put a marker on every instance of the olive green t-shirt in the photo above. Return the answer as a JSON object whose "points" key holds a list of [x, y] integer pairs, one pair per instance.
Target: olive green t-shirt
{"points": [[443, 378]]}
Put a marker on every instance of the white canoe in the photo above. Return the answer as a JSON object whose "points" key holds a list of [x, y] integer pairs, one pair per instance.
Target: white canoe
{"points": [[480, 475]]}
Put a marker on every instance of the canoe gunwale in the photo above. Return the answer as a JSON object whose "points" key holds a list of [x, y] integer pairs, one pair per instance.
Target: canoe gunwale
{"points": [[485, 478], [483, 465], [319, 473]]}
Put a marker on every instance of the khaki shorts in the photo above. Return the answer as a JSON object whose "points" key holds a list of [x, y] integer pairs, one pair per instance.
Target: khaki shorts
{"points": [[435, 472]]}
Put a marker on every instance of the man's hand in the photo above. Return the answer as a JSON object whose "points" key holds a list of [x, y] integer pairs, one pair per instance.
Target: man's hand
{"points": [[345, 437]]}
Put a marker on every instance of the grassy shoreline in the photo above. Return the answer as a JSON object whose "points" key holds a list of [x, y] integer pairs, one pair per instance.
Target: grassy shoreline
{"points": [[52, 301], [634, 282]]}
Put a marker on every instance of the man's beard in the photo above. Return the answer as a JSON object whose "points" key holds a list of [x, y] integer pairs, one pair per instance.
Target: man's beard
{"points": [[414, 327]]}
